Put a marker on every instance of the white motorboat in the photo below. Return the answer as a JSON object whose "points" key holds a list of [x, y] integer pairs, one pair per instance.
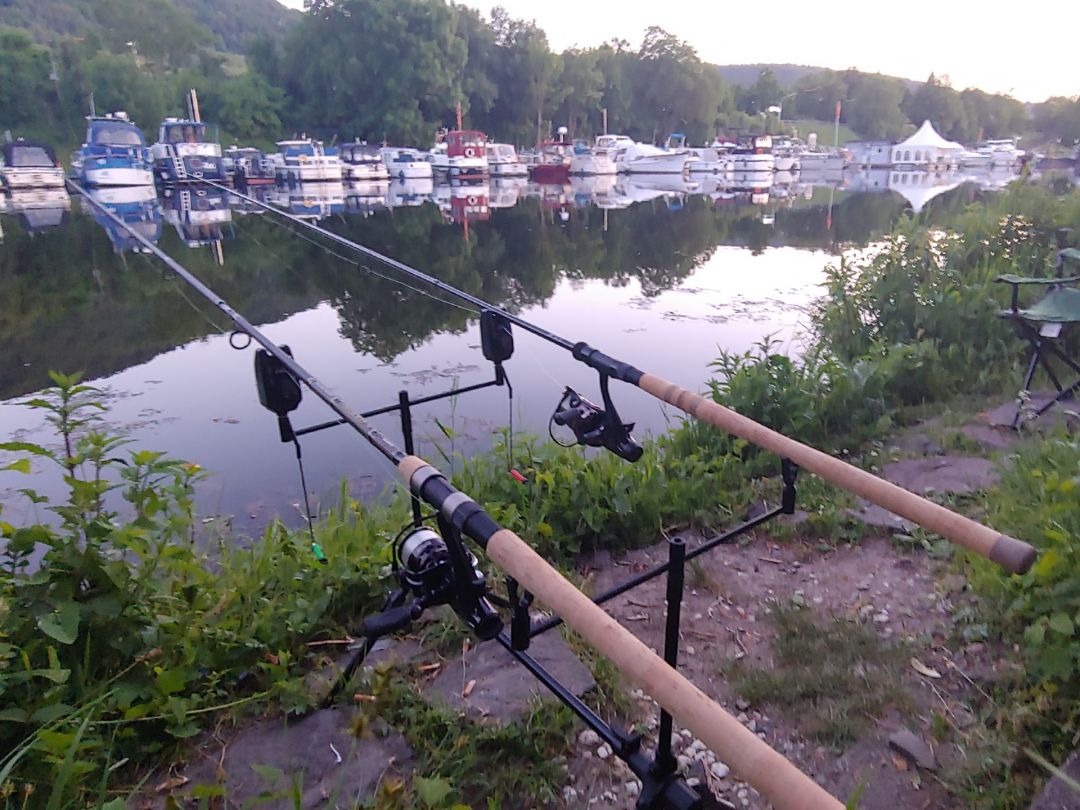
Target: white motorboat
{"points": [[38, 208], [24, 164], [183, 152], [641, 158], [1001, 152], [821, 161], [976, 161], [365, 197], [785, 155], [306, 160], [363, 163], [504, 192], [406, 164], [502, 160], [114, 153], [755, 155], [591, 162]]}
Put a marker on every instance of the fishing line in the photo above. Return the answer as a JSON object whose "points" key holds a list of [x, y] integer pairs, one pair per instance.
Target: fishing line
{"points": [[368, 269], [180, 291]]}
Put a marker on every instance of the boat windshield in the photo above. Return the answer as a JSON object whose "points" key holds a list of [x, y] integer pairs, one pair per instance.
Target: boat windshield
{"points": [[27, 157], [107, 133], [185, 133]]}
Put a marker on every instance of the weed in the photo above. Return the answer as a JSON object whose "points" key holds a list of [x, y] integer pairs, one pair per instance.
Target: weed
{"points": [[837, 675]]}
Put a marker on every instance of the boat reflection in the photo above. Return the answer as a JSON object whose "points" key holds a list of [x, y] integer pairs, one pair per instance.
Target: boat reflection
{"points": [[198, 215], [311, 201], [38, 209], [136, 206], [366, 197]]}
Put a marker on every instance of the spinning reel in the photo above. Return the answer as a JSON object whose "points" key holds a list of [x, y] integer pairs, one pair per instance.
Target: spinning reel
{"points": [[595, 426], [435, 572]]}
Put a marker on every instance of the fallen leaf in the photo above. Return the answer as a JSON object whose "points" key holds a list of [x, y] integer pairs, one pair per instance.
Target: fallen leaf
{"points": [[172, 783], [900, 763], [469, 688], [923, 669]]}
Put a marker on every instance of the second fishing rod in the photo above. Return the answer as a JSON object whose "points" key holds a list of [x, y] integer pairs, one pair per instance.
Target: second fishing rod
{"points": [[603, 428]]}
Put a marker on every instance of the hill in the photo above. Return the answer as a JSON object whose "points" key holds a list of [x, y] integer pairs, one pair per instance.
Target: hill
{"points": [[787, 74], [746, 75], [232, 22]]}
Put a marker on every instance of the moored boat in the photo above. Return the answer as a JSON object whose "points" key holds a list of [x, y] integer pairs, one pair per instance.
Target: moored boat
{"points": [[27, 164], [306, 160], [503, 161], [461, 154], [550, 163], [591, 162], [183, 153], [248, 166], [114, 153], [405, 164], [642, 158], [754, 155], [362, 162]]}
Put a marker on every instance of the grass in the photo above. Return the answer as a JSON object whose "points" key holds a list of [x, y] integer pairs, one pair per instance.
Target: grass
{"points": [[836, 675]]}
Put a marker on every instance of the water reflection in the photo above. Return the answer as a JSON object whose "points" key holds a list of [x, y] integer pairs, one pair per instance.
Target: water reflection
{"points": [[137, 207], [656, 269]]}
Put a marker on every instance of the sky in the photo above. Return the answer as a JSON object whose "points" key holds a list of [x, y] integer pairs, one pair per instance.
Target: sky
{"points": [[994, 45]]}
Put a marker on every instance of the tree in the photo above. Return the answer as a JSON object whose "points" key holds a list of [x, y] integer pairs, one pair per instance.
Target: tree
{"points": [[874, 109], [937, 102], [24, 79]]}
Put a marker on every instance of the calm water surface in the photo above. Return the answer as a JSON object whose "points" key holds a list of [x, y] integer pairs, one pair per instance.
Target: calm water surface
{"points": [[651, 274]]}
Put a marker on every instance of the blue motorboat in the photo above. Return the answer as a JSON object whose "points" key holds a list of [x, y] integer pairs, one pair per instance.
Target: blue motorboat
{"points": [[114, 154], [183, 153]]}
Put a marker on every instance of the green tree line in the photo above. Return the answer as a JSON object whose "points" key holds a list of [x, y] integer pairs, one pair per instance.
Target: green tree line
{"points": [[397, 70]]}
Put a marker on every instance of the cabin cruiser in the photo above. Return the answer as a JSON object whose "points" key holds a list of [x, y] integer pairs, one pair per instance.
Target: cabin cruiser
{"points": [[306, 160], [461, 155], [633, 157], [785, 155], [590, 162], [822, 161], [114, 153], [503, 161], [754, 155], [183, 153], [25, 164], [362, 162], [136, 206], [405, 164], [1001, 152], [248, 166], [715, 159]]}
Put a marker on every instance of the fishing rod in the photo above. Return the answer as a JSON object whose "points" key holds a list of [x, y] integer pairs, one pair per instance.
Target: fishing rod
{"points": [[436, 568], [602, 427]]}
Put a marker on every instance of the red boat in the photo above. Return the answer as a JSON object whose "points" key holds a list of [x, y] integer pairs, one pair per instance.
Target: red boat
{"points": [[552, 163]]}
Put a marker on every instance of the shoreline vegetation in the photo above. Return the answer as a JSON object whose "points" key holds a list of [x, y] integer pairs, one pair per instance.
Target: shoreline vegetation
{"points": [[122, 637]]}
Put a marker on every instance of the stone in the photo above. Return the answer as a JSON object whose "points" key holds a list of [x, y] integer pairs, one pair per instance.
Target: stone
{"points": [[742, 705], [720, 770], [503, 692], [949, 474], [588, 738], [914, 748], [604, 751], [1056, 794], [632, 788], [569, 793], [881, 617], [317, 752], [879, 517], [742, 718]]}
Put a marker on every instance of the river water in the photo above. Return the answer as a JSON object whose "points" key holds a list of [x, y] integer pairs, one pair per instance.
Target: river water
{"points": [[657, 275]]}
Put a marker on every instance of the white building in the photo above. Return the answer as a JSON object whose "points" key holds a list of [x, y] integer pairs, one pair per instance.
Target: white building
{"points": [[927, 150], [870, 154]]}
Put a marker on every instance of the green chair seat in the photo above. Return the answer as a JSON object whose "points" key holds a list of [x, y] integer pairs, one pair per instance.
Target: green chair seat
{"points": [[1058, 306], [1009, 278]]}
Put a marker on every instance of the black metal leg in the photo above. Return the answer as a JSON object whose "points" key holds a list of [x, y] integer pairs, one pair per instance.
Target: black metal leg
{"points": [[407, 432], [665, 760]]}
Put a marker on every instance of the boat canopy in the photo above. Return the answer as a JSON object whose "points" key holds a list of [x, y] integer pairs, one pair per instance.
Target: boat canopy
{"points": [[28, 155], [182, 131], [360, 152], [113, 132], [297, 148], [502, 150]]}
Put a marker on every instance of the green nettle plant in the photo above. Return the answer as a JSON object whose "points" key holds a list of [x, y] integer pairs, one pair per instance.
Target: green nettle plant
{"points": [[120, 630]]}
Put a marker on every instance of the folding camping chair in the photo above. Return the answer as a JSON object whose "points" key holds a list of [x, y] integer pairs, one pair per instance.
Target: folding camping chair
{"points": [[1043, 324]]}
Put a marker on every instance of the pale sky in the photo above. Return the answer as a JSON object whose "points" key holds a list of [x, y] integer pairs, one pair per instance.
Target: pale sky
{"points": [[1028, 51]]}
